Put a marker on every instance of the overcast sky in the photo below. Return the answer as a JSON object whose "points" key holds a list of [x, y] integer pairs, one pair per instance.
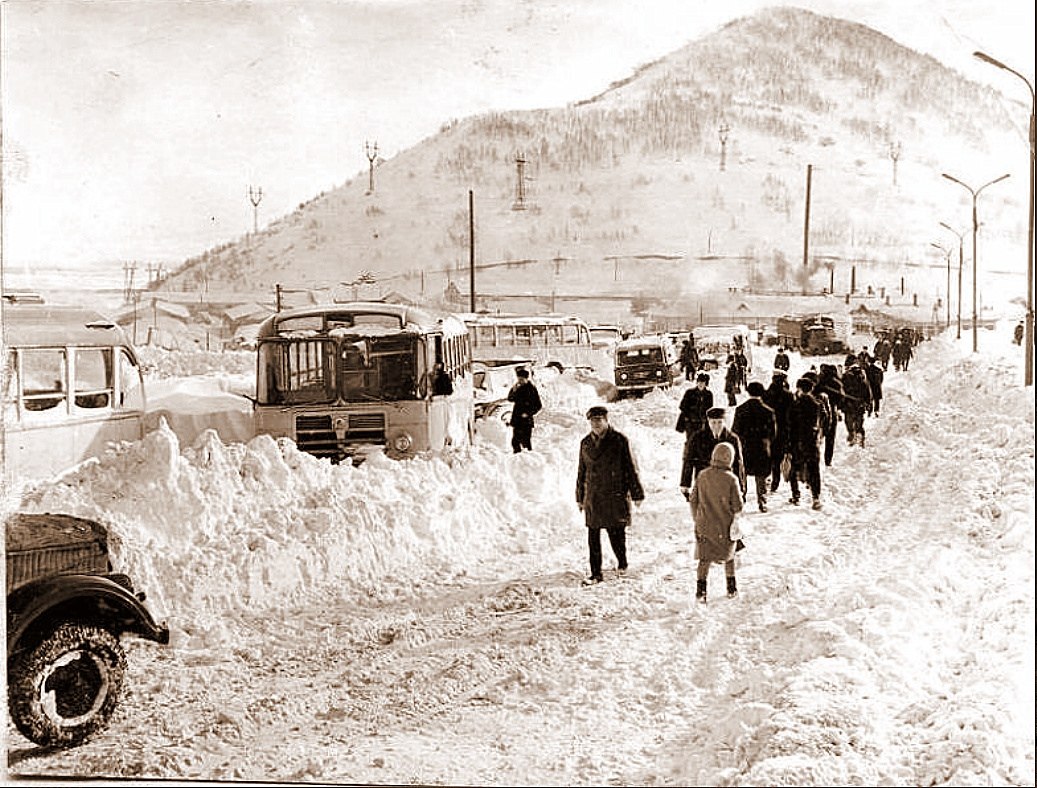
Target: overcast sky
{"points": [[132, 129]]}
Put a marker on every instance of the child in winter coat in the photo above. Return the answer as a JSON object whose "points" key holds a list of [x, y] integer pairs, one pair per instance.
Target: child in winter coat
{"points": [[716, 498]]}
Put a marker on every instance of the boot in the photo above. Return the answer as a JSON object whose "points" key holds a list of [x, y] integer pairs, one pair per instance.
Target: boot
{"points": [[732, 587], [700, 591]]}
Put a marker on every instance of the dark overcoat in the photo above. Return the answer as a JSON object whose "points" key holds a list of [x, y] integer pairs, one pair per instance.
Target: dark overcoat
{"points": [[804, 428], [607, 480], [700, 453], [755, 425]]}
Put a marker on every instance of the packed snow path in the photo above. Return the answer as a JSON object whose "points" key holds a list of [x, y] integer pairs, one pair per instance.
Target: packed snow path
{"points": [[426, 624]]}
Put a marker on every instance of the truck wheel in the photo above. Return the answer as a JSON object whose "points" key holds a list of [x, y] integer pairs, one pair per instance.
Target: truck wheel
{"points": [[65, 689]]}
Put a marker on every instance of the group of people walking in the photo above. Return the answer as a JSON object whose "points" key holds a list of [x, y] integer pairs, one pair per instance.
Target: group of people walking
{"points": [[779, 433]]}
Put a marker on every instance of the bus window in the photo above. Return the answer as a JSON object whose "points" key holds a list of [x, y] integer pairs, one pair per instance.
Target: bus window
{"points": [[538, 336], [43, 378], [523, 336], [484, 336], [554, 335], [94, 379], [570, 335]]}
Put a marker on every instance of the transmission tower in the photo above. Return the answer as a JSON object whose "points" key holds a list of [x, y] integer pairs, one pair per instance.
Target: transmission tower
{"points": [[894, 154], [371, 151], [255, 196], [520, 183], [723, 132]]}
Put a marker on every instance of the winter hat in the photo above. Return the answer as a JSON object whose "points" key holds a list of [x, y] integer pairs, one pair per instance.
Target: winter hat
{"points": [[805, 383], [723, 455], [811, 376], [755, 388], [597, 410], [702, 377], [522, 372], [715, 413]]}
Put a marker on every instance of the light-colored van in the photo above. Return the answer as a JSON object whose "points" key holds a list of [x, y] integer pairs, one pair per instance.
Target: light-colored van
{"points": [[70, 384]]}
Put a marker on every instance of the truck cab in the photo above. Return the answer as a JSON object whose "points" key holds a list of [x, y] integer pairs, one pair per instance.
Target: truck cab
{"points": [[644, 363]]}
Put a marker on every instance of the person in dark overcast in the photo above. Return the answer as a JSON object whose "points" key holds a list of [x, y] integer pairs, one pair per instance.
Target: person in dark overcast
{"points": [[756, 428], [527, 404], [606, 482]]}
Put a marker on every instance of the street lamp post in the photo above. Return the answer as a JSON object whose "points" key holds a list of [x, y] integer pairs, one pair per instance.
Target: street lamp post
{"points": [[975, 259], [961, 260], [947, 257], [1028, 336]]}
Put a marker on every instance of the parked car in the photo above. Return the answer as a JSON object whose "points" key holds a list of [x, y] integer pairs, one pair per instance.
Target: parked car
{"points": [[66, 612]]}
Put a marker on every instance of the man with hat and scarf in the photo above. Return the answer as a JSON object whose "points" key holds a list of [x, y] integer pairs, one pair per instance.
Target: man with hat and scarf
{"points": [[700, 450], [606, 482]]}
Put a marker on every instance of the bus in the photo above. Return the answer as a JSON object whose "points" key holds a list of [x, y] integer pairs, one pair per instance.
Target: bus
{"points": [[645, 363], [346, 379], [71, 385], [549, 340]]}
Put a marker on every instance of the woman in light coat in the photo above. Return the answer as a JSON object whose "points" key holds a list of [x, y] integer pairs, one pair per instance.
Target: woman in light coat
{"points": [[716, 498]]}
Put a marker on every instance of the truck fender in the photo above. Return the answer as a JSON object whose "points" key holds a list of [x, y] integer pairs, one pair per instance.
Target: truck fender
{"points": [[28, 604]]}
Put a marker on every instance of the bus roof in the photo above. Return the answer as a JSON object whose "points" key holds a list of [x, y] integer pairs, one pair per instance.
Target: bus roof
{"points": [[410, 317], [522, 320], [33, 324]]}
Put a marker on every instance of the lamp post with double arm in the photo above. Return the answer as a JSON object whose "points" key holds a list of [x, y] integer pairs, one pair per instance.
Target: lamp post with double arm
{"points": [[947, 257], [961, 260], [975, 260], [1028, 332]]}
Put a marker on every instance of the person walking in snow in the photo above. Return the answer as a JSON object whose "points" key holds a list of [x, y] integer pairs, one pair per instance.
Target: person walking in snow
{"points": [[756, 428], [781, 359], [830, 384], [778, 398], [700, 450], [856, 400], [606, 482], [527, 404], [804, 435], [873, 371], [715, 500], [695, 403], [732, 378]]}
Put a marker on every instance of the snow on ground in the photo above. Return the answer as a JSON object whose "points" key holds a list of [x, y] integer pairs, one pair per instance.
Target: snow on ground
{"points": [[423, 623]]}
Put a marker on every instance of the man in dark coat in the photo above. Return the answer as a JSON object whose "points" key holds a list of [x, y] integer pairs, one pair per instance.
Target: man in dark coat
{"points": [[830, 384], [606, 482], [696, 401], [756, 428], [875, 375], [527, 404], [700, 451], [781, 359], [778, 398], [856, 400], [804, 435]]}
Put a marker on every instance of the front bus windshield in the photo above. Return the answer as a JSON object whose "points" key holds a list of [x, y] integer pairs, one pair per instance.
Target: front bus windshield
{"points": [[380, 367], [296, 371]]}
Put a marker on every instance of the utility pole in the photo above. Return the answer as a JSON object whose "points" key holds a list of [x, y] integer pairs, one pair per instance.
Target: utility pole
{"points": [[255, 196], [520, 183], [894, 154], [806, 228], [961, 261], [471, 252], [371, 151], [723, 132]]}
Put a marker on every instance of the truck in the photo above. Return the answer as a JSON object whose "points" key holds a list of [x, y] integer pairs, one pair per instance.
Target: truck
{"points": [[814, 335], [646, 362], [66, 611]]}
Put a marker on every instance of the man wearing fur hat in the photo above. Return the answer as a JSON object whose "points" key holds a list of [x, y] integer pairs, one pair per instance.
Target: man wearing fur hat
{"points": [[756, 428], [606, 482], [804, 435]]}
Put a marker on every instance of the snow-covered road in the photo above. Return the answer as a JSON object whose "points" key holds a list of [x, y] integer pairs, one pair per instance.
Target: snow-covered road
{"points": [[424, 623]]}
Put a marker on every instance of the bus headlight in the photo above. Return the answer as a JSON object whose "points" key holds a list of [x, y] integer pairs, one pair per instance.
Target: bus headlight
{"points": [[402, 442], [658, 373], [622, 375]]}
